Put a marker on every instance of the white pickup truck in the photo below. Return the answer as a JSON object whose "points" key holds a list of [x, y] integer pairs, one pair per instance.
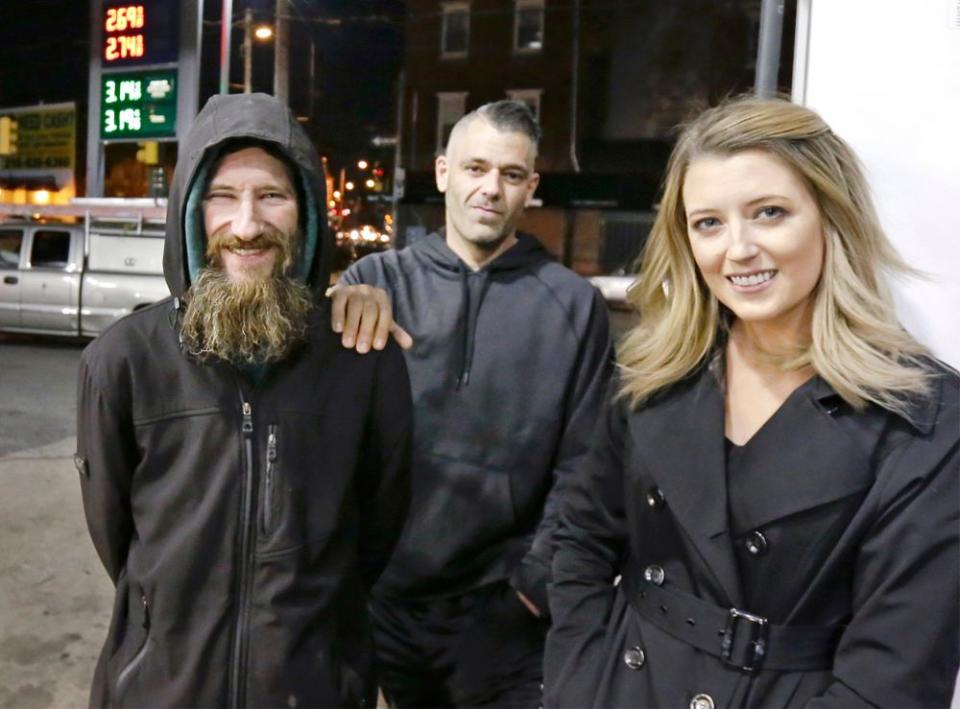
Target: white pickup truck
{"points": [[73, 270]]}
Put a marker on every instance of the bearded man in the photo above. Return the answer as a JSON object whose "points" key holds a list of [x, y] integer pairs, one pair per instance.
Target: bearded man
{"points": [[244, 476]]}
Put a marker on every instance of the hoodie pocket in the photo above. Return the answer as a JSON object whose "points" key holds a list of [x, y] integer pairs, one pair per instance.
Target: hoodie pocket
{"points": [[461, 518], [129, 670]]}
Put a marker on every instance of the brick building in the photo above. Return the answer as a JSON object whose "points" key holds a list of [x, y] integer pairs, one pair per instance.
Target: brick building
{"points": [[608, 79]]}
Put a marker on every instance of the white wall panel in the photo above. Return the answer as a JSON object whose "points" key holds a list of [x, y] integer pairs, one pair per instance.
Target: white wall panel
{"points": [[885, 74]]}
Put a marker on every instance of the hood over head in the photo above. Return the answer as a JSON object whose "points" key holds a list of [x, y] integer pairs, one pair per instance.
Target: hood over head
{"points": [[227, 117]]}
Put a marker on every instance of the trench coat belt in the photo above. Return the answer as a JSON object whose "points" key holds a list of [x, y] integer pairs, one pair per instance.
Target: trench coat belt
{"points": [[741, 639]]}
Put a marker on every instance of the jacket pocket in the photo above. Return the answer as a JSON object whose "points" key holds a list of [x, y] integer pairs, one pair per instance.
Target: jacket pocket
{"points": [[129, 670], [268, 511]]}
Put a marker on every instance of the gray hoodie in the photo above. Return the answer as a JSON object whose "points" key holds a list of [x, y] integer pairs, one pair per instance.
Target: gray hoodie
{"points": [[508, 372]]}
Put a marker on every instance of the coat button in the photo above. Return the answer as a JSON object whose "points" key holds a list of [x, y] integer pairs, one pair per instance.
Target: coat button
{"points": [[655, 498], [756, 543], [634, 658], [702, 701], [654, 574]]}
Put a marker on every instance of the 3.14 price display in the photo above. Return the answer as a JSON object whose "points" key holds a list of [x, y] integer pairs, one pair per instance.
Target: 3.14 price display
{"points": [[136, 105]]}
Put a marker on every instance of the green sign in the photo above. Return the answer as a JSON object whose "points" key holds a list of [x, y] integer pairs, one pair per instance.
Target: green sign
{"points": [[138, 105]]}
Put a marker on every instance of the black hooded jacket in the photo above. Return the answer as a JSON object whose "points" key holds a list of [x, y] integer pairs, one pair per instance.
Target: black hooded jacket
{"points": [[508, 371], [242, 525]]}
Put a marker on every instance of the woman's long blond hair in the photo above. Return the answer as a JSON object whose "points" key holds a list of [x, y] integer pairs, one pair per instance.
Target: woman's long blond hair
{"points": [[856, 343]]}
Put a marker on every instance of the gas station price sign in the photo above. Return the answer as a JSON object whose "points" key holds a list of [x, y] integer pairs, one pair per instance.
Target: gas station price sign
{"points": [[138, 33], [138, 105]]}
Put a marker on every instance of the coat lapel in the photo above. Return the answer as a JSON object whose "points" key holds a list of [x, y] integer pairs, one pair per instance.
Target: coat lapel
{"points": [[806, 456], [681, 441]]}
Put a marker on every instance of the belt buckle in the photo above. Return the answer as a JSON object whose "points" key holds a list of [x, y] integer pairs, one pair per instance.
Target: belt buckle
{"points": [[756, 641]]}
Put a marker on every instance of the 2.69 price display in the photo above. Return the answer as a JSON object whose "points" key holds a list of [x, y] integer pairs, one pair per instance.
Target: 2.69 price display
{"points": [[120, 19]]}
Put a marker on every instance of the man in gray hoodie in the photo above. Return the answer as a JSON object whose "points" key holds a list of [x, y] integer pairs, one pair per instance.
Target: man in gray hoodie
{"points": [[509, 365]]}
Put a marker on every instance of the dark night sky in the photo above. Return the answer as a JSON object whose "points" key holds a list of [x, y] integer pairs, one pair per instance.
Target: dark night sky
{"points": [[44, 49]]}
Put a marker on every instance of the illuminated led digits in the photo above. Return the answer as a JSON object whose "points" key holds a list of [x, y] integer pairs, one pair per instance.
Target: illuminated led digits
{"points": [[130, 119], [126, 20]]}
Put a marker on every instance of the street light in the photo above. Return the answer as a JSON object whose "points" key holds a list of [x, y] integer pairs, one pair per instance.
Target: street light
{"points": [[263, 33]]}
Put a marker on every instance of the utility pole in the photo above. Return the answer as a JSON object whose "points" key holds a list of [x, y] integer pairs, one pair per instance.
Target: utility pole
{"points": [[281, 55], [226, 22], [313, 77], [768, 48], [247, 50], [575, 85]]}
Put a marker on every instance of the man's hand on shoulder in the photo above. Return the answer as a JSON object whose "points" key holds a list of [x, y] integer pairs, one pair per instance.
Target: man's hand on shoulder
{"points": [[364, 316]]}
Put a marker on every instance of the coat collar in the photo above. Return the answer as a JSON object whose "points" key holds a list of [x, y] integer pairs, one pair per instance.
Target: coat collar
{"points": [[921, 412]]}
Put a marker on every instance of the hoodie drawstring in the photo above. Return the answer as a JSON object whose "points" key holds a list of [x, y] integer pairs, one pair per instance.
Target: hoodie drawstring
{"points": [[175, 318], [469, 317]]}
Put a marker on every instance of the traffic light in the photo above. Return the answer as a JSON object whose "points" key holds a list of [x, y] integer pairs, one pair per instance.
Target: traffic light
{"points": [[149, 152], [8, 135]]}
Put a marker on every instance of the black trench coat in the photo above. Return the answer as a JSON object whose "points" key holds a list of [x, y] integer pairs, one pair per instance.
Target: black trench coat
{"points": [[851, 561]]}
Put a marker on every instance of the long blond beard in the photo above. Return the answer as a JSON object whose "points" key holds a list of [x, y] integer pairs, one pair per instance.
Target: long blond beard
{"points": [[245, 322]]}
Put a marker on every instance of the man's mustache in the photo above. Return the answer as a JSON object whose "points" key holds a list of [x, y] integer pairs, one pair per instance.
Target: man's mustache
{"points": [[225, 240]]}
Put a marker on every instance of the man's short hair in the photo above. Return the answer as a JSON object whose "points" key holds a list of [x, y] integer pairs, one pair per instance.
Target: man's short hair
{"points": [[507, 116]]}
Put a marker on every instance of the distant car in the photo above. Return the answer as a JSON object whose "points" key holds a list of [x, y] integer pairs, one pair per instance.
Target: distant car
{"points": [[355, 243], [614, 289]]}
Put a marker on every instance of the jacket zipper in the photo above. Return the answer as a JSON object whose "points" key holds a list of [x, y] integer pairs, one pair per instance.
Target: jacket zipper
{"points": [[269, 480], [138, 658], [243, 603]]}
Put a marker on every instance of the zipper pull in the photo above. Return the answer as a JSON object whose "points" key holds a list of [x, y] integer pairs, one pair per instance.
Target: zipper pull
{"points": [[146, 612], [247, 426]]}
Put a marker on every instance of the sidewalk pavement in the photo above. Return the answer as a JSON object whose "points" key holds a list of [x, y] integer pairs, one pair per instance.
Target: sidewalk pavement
{"points": [[55, 597]]}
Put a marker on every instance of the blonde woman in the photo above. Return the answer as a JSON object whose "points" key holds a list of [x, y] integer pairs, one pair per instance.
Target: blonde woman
{"points": [[770, 513]]}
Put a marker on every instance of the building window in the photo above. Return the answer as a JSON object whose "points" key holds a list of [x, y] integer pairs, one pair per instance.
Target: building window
{"points": [[450, 107], [455, 33], [528, 26], [531, 97]]}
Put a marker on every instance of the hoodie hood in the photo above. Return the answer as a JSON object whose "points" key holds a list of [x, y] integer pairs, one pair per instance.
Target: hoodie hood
{"points": [[254, 116]]}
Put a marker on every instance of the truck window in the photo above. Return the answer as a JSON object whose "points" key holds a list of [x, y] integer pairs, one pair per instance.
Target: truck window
{"points": [[51, 249], [10, 243]]}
